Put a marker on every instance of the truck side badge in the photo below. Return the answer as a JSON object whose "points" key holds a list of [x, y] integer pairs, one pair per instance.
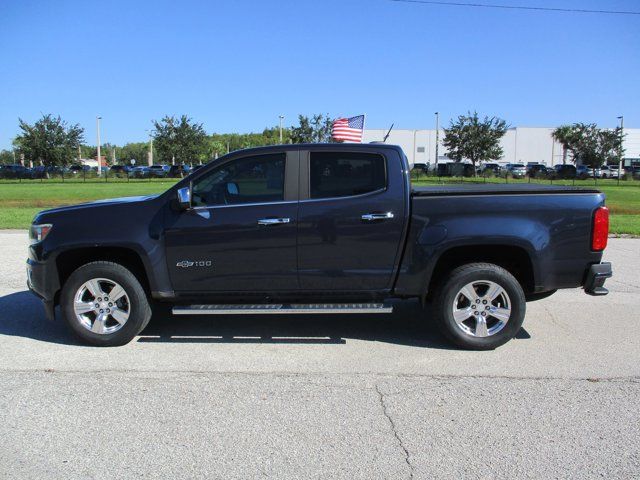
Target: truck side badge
{"points": [[189, 263]]}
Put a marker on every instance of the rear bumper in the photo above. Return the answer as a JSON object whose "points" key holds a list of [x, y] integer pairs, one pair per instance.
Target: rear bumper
{"points": [[596, 276]]}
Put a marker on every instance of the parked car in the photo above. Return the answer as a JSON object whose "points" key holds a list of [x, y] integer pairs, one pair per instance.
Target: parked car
{"points": [[319, 228], [139, 172], [420, 167], [564, 172], [516, 170], [160, 171], [455, 169], [15, 171], [583, 172], [79, 169], [491, 169], [537, 170], [609, 171], [119, 170], [179, 171]]}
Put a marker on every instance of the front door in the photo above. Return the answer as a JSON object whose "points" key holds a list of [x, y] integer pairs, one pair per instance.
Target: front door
{"points": [[240, 235], [351, 220]]}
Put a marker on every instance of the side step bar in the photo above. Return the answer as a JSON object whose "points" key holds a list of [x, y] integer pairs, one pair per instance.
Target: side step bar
{"points": [[280, 309]]}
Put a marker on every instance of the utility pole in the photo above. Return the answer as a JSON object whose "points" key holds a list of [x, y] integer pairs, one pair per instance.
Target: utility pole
{"points": [[437, 136], [98, 135], [150, 155], [621, 118], [281, 117], [79, 154]]}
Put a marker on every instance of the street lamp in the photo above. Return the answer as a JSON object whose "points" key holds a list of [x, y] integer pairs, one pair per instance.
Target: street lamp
{"points": [[621, 118], [281, 117], [98, 118], [437, 135], [150, 156]]}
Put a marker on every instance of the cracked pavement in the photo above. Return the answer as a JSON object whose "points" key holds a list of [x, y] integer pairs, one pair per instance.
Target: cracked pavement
{"points": [[324, 397]]}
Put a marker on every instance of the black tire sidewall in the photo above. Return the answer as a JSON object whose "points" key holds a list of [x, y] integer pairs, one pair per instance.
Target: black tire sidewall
{"points": [[470, 273], [139, 314]]}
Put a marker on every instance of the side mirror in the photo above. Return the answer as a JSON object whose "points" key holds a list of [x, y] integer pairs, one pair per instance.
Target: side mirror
{"points": [[184, 198]]}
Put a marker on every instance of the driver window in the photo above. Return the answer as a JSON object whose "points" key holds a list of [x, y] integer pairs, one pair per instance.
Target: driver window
{"points": [[257, 179]]}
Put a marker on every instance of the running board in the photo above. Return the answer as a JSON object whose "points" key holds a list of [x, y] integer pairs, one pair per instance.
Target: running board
{"points": [[280, 309]]}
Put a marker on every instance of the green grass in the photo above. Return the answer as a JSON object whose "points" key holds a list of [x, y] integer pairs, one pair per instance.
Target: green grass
{"points": [[20, 202]]}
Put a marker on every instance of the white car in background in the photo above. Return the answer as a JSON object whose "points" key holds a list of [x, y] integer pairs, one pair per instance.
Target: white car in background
{"points": [[609, 171]]}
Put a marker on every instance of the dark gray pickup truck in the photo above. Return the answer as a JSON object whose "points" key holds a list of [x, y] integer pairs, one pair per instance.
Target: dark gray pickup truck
{"points": [[318, 229]]}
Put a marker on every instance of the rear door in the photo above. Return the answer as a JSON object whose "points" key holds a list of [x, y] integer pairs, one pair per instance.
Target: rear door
{"points": [[351, 219], [240, 235]]}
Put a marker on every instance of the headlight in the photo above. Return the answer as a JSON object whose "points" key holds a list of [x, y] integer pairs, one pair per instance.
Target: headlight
{"points": [[39, 232]]}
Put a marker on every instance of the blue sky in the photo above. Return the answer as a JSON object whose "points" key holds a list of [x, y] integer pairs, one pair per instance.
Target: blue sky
{"points": [[237, 65]]}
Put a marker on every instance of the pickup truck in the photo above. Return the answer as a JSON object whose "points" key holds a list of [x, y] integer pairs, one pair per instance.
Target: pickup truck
{"points": [[318, 228]]}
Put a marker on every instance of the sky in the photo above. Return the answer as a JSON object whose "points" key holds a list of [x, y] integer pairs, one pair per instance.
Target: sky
{"points": [[235, 66]]}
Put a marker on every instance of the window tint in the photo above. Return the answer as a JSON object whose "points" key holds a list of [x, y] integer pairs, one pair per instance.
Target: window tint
{"points": [[335, 174], [255, 179]]}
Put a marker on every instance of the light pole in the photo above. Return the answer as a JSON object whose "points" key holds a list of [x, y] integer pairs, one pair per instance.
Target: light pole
{"points": [[98, 118], [281, 117], [437, 136], [150, 156], [621, 118]]}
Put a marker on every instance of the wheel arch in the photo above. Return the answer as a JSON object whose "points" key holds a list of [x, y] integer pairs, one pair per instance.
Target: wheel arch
{"points": [[513, 258], [70, 260]]}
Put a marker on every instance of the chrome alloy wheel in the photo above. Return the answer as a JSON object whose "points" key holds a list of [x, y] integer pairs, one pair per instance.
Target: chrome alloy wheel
{"points": [[481, 308], [101, 306]]}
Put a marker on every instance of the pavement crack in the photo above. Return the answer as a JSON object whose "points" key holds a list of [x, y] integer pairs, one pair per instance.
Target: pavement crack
{"points": [[385, 412]]}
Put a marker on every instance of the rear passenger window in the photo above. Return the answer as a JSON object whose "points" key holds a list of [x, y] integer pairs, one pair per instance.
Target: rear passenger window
{"points": [[334, 174]]}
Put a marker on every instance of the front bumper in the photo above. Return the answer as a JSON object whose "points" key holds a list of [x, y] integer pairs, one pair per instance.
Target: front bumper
{"points": [[42, 281], [596, 276]]}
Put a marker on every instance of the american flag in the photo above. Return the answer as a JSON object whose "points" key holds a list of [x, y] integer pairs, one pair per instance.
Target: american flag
{"points": [[348, 129]]}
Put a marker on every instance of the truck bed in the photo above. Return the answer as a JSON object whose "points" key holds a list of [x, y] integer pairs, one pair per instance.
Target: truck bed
{"points": [[496, 189]]}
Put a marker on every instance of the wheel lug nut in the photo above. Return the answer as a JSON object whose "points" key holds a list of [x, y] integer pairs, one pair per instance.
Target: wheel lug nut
{"points": [[101, 311], [478, 301], [106, 299], [99, 299], [111, 304], [484, 302], [97, 305], [108, 311], [484, 314]]}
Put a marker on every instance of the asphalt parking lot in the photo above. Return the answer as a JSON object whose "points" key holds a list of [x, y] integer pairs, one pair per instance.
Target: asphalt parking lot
{"points": [[324, 397]]}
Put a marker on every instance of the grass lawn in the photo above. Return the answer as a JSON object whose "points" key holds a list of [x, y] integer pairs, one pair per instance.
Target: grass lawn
{"points": [[19, 202]]}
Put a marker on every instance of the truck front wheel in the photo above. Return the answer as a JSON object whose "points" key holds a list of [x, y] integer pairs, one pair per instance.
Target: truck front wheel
{"points": [[480, 306], [104, 304]]}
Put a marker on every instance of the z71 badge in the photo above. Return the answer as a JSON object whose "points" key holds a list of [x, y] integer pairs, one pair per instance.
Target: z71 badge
{"points": [[197, 263]]}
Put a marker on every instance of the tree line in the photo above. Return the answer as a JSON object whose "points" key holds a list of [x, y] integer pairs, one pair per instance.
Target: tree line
{"points": [[51, 141]]}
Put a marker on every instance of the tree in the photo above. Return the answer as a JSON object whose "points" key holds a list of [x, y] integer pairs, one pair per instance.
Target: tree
{"points": [[6, 156], [314, 130], [137, 151], [590, 145], [179, 139], [50, 140], [476, 140], [564, 135]]}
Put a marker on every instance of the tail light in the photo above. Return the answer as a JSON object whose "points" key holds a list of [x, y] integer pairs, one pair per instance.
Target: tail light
{"points": [[600, 232]]}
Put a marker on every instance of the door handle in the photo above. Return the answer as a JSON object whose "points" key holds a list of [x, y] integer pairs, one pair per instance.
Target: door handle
{"points": [[273, 221], [371, 217]]}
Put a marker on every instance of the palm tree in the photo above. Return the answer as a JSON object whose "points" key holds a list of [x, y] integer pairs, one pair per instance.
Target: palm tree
{"points": [[564, 135]]}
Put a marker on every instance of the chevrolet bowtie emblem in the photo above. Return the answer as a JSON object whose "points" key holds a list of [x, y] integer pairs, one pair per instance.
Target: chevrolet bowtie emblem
{"points": [[184, 264]]}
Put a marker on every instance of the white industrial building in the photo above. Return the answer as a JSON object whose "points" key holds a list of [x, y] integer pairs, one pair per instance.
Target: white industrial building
{"points": [[520, 145]]}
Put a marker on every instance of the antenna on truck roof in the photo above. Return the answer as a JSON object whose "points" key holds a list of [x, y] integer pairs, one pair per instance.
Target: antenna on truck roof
{"points": [[387, 135]]}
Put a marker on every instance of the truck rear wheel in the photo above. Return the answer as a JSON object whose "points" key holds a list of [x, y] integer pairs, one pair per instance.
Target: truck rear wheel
{"points": [[480, 306], [104, 304]]}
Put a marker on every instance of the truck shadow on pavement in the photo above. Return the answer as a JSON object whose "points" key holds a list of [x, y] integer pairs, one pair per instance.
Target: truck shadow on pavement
{"points": [[21, 315]]}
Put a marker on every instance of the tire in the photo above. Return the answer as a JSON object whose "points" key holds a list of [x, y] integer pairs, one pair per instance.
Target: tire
{"points": [[85, 301], [479, 331]]}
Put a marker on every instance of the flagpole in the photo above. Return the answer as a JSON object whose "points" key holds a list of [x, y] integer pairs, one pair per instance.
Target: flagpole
{"points": [[364, 121]]}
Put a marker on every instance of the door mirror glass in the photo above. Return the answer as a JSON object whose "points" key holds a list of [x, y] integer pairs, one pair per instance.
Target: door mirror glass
{"points": [[184, 198]]}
